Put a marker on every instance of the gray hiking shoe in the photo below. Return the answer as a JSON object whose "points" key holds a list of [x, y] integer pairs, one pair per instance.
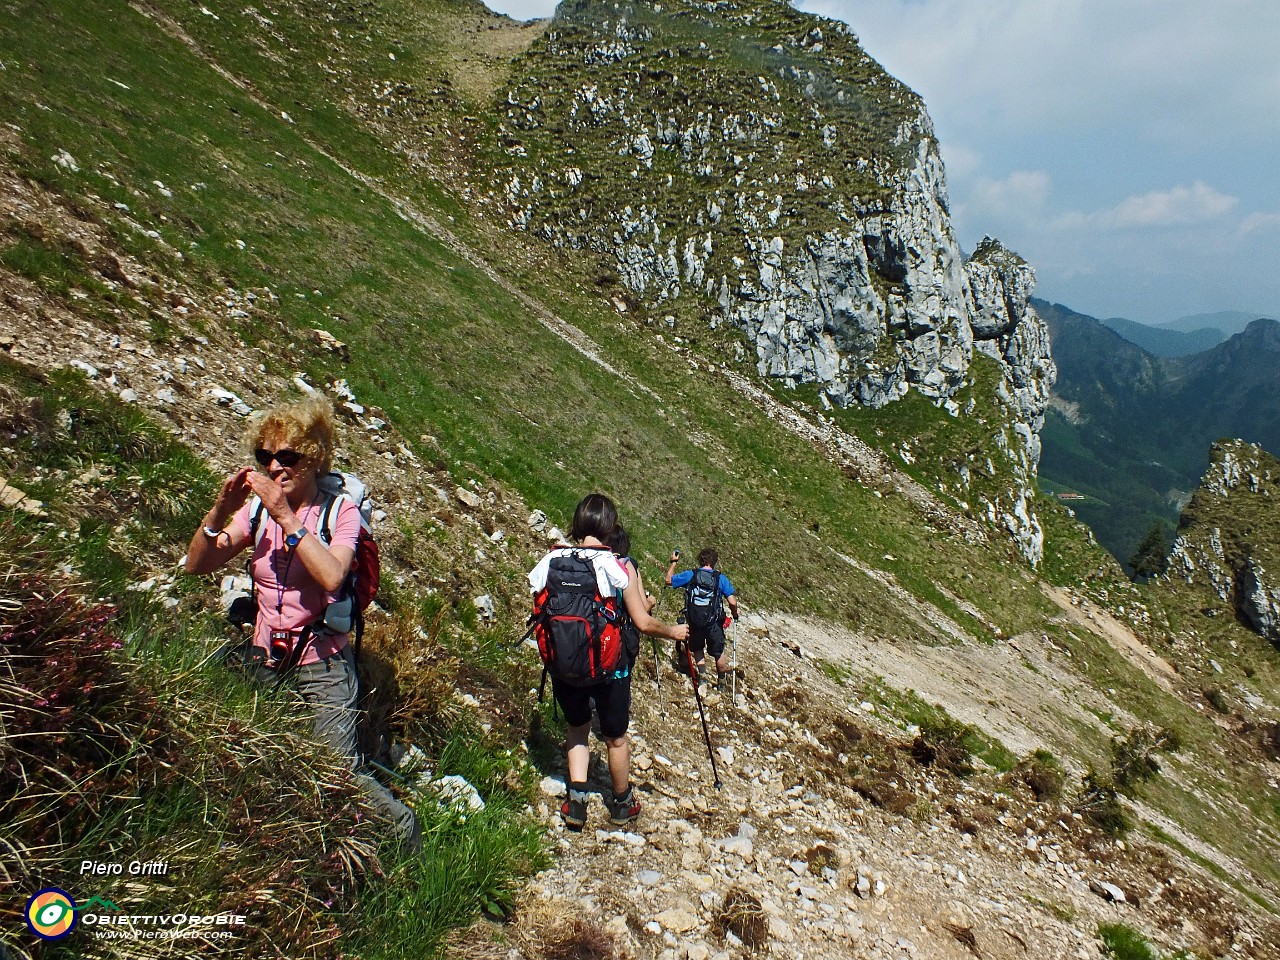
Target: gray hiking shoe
{"points": [[574, 810], [624, 809]]}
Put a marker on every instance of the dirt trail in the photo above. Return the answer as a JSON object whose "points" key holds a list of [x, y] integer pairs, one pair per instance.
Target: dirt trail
{"points": [[847, 846], [1093, 619]]}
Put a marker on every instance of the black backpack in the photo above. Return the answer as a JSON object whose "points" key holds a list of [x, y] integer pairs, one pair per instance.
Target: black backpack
{"points": [[702, 599], [626, 626], [577, 630]]}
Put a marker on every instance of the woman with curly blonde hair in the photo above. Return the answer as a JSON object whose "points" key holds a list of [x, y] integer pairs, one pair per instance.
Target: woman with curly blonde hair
{"points": [[298, 570]]}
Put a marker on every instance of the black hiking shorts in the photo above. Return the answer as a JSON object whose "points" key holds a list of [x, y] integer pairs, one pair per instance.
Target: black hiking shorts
{"points": [[711, 638], [612, 699]]}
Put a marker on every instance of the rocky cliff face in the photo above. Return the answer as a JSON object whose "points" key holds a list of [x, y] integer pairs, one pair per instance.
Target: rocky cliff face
{"points": [[750, 166], [1227, 538]]}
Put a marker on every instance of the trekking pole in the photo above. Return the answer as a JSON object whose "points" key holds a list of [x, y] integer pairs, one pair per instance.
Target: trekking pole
{"points": [[697, 695], [733, 683]]}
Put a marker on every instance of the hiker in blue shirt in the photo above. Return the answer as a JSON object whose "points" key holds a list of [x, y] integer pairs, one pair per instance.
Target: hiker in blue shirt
{"points": [[705, 588]]}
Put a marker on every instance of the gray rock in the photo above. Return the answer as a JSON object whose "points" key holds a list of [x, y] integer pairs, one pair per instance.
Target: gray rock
{"points": [[1108, 891], [1258, 601], [484, 605]]}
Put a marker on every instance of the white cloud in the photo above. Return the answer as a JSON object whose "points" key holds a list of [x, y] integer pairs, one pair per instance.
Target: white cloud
{"points": [[962, 163], [1179, 207], [1021, 196], [1198, 203], [1259, 221]]}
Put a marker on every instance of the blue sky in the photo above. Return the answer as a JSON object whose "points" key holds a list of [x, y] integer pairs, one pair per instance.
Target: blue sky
{"points": [[1128, 149]]}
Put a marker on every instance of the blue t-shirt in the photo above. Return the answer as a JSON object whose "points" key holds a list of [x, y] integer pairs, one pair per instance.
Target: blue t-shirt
{"points": [[682, 579]]}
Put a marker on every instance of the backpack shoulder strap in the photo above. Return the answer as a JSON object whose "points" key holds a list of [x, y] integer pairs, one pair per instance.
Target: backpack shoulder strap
{"points": [[324, 529], [256, 527]]}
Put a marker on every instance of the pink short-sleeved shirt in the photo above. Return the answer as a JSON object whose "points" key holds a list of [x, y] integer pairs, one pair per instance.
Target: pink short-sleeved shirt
{"points": [[288, 597]]}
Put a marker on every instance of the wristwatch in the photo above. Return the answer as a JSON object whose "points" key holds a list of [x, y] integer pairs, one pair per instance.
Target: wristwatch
{"points": [[294, 539]]}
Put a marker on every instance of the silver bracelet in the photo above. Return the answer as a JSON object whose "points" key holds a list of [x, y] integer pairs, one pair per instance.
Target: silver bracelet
{"points": [[211, 533]]}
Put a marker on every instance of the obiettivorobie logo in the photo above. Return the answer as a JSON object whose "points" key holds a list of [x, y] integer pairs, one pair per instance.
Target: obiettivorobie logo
{"points": [[52, 913]]}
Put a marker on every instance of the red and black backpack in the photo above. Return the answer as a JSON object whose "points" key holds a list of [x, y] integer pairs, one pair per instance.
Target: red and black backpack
{"points": [[576, 628]]}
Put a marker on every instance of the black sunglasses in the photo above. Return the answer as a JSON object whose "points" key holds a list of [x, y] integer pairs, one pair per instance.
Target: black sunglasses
{"points": [[286, 458]]}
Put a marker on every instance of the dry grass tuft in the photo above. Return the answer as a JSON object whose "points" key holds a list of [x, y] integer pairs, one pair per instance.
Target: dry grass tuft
{"points": [[579, 939], [555, 930], [19, 414], [743, 916], [1043, 774], [425, 672]]}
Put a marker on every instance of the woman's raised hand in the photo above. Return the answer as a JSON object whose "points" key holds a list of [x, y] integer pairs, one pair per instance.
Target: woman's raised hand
{"points": [[271, 495], [235, 491]]}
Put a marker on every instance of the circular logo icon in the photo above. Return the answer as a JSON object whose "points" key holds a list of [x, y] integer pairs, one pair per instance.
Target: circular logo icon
{"points": [[51, 913]]}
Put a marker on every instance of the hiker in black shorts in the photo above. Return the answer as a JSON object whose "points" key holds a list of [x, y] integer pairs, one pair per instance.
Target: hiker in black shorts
{"points": [[705, 589], [592, 566]]}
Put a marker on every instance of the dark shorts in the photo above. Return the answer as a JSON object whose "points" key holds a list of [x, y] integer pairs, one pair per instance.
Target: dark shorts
{"points": [[712, 638], [613, 705]]}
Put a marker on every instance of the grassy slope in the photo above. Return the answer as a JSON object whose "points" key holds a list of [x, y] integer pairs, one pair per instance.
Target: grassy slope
{"points": [[446, 351], [437, 343], [158, 752]]}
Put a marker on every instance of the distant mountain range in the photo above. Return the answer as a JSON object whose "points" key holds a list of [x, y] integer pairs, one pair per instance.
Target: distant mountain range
{"points": [[1193, 333], [1165, 341], [1230, 322], [1131, 429]]}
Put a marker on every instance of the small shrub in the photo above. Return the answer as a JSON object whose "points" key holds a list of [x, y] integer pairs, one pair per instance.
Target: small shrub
{"points": [[1270, 740], [1044, 775], [1122, 942], [1100, 806], [820, 857], [1133, 758], [944, 743], [1217, 699]]}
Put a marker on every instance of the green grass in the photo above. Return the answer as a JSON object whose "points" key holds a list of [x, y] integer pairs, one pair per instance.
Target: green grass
{"points": [[1122, 942], [469, 866]]}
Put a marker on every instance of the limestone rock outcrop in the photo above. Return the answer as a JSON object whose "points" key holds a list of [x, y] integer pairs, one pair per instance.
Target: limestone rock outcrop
{"points": [[1228, 534], [752, 167]]}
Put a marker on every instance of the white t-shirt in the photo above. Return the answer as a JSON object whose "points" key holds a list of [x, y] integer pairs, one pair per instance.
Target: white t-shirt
{"points": [[610, 574]]}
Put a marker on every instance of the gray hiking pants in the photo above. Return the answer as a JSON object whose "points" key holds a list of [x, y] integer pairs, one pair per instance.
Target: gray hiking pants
{"points": [[331, 688]]}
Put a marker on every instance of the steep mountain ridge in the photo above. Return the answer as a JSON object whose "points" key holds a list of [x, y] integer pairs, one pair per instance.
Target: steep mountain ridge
{"points": [[711, 114], [1227, 536]]}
